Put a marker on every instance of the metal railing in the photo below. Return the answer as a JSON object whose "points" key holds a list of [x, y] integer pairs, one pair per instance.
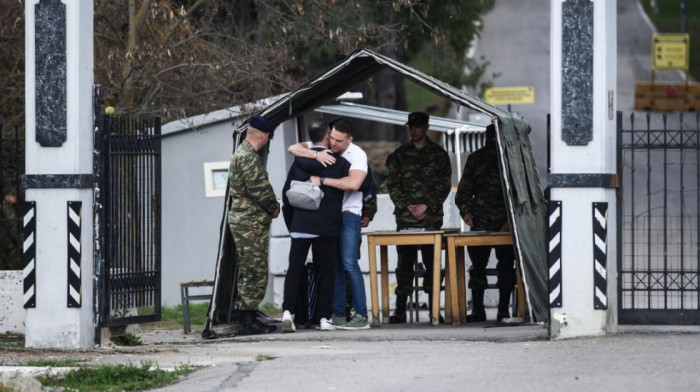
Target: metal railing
{"points": [[659, 267]]}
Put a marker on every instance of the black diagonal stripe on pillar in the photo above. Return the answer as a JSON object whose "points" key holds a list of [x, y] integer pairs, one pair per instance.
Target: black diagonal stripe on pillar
{"points": [[555, 266], [600, 257], [74, 252], [29, 254]]}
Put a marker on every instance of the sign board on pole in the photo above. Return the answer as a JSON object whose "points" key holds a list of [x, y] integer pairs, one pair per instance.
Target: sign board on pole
{"points": [[510, 95], [670, 51]]}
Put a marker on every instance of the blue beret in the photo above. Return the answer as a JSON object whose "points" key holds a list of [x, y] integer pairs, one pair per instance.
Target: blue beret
{"points": [[260, 123]]}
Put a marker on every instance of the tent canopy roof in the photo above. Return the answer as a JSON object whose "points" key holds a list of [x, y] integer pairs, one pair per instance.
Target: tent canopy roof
{"points": [[359, 66]]}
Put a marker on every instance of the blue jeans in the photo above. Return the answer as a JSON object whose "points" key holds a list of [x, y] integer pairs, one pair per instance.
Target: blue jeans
{"points": [[347, 265]]}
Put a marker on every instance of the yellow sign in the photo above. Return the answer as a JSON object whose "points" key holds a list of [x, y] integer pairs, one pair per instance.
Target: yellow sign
{"points": [[510, 95], [670, 51]]}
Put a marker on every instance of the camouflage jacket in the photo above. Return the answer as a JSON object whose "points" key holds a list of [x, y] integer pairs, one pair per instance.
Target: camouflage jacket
{"points": [[419, 176], [480, 191], [252, 199]]}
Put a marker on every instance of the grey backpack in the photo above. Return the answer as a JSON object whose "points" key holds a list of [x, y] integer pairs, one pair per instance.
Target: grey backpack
{"points": [[305, 194]]}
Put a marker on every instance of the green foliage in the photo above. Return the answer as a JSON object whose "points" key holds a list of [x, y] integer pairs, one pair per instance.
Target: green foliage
{"points": [[171, 317], [442, 32], [263, 357], [126, 340], [115, 378], [269, 308], [11, 340], [51, 362], [669, 20]]}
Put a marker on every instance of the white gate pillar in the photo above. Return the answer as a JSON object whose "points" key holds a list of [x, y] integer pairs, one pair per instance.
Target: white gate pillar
{"points": [[582, 177], [58, 251]]}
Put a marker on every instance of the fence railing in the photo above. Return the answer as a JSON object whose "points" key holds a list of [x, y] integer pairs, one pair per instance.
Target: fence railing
{"points": [[11, 171]]}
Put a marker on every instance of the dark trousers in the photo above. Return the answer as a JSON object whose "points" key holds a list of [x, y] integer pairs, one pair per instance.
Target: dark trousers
{"points": [[407, 256], [479, 256], [324, 252]]}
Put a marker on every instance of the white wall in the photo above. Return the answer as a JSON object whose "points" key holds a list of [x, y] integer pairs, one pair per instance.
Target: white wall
{"points": [[11, 297]]}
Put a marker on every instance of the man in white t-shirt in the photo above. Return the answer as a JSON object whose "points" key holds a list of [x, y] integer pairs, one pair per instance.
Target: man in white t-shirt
{"points": [[341, 143]]}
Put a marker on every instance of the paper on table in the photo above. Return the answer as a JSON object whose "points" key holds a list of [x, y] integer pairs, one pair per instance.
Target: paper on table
{"points": [[413, 229]]}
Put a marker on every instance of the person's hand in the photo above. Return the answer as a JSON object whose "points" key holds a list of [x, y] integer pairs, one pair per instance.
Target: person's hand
{"points": [[506, 226], [365, 221], [418, 211], [325, 157], [315, 180], [276, 213], [468, 219]]}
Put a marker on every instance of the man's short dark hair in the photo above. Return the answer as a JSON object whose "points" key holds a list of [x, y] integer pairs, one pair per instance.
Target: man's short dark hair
{"points": [[317, 130], [342, 125]]}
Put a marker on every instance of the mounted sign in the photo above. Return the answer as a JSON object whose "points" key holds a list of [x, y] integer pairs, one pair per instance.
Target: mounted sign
{"points": [[670, 51], [510, 95]]}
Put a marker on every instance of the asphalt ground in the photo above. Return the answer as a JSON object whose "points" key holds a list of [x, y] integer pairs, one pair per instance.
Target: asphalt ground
{"points": [[480, 356]]}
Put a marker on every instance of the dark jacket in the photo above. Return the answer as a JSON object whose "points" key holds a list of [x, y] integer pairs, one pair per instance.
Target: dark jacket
{"points": [[325, 221]]}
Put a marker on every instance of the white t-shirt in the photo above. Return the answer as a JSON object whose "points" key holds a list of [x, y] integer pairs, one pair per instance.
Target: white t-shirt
{"points": [[352, 201]]}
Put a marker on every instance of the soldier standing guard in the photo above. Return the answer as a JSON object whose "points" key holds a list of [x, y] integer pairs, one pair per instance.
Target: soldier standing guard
{"points": [[481, 204], [419, 181], [253, 206]]}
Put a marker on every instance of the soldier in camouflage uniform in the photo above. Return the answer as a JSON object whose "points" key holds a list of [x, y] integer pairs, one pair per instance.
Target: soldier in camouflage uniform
{"points": [[418, 181], [480, 201], [253, 206], [10, 254]]}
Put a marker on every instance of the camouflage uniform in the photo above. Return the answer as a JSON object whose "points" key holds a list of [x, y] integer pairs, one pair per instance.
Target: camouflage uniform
{"points": [[417, 176], [480, 193], [252, 204]]}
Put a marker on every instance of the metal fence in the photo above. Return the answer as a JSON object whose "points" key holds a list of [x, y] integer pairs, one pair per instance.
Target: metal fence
{"points": [[11, 170], [659, 279], [129, 200]]}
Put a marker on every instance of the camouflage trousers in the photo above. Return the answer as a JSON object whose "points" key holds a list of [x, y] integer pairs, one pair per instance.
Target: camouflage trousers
{"points": [[251, 245], [479, 256], [407, 257]]}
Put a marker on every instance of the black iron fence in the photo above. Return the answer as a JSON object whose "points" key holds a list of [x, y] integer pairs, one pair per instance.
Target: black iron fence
{"points": [[128, 200], [11, 171], [659, 263]]}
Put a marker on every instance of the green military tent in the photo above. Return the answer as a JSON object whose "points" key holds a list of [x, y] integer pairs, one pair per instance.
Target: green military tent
{"points": [[526, 202]]}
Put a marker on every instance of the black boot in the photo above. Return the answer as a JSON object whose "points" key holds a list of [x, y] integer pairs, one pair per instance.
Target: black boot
{"points": [[478, 311], [249, 324], [399, 316], [503, 304], [430, 310]]}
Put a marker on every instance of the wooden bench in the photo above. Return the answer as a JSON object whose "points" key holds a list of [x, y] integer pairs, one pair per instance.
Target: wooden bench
{"points": [[186, 298]]}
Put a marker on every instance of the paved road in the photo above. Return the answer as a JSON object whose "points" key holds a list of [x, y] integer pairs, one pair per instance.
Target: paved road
{"points": [[419, 357], [516, 39]]}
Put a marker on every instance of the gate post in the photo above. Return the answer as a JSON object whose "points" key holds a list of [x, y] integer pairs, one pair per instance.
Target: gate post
{"points": [[583, 173], [58, 251]]}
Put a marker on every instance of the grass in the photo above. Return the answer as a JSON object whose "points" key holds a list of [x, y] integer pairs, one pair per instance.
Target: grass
{"points": [[126, 340], [669, 20], [264, 357], [51, 363], [171, 317], [115, 378]]}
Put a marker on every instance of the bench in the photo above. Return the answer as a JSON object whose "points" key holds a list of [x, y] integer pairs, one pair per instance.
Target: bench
{"points": [[186, 298]]}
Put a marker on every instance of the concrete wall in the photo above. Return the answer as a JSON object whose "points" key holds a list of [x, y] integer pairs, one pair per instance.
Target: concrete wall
{"points": [[11, 296]]}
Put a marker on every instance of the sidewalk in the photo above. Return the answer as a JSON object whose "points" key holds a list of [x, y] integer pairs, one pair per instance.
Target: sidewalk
{"points": [[481, 356]]}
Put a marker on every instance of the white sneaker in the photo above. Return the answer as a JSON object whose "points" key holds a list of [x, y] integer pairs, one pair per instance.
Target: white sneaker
{"points": [[327, 325], [288, 322]]}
